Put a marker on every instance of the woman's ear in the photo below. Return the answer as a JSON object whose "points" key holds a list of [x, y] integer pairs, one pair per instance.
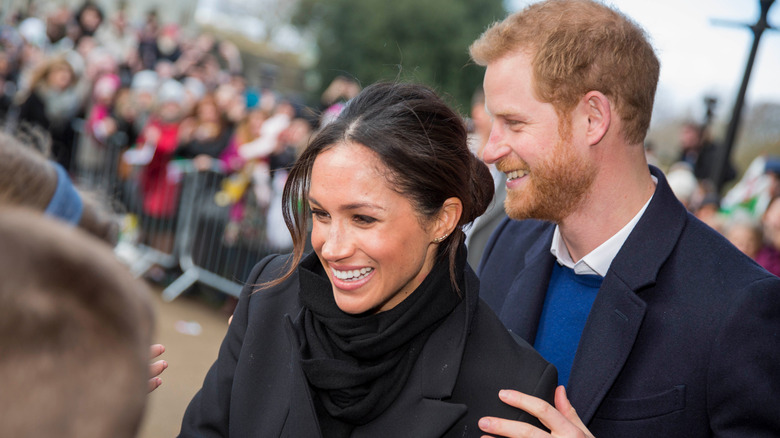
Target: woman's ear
{"points": [[448, 217]]}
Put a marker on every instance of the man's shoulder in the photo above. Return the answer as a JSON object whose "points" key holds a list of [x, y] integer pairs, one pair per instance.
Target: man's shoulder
{"points": [[514, 239], [512, 234], [707, 257]]}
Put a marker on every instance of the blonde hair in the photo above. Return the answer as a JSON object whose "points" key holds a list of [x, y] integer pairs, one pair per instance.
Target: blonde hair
{"points": [[579, 46]]}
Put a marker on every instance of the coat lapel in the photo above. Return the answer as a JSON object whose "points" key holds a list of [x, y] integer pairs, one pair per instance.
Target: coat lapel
{"points": [[302, 418], [606, 342], [616, 316], [420, 409], [523, 305]]}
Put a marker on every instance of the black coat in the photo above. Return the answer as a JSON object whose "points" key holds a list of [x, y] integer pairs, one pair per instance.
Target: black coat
{"points": [[682, 340], [257, 388]]}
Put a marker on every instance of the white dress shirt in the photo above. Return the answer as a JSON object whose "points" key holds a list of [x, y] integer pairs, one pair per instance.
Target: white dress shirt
{"points": [[596, 262]]}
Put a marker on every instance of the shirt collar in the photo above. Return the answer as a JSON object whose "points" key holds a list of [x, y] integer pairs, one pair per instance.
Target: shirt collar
{"points": [[596, 262]]}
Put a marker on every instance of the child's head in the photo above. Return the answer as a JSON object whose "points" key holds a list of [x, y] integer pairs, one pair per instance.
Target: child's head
{"points": [[75, 330], [745, 234]]}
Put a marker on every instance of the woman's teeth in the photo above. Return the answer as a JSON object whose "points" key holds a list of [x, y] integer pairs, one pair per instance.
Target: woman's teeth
{"points": [[355, 274]]}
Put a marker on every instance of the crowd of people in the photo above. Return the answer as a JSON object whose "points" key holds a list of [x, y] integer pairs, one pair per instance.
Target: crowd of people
{"points": [[748, 214], [600, 304], [129, 100]]}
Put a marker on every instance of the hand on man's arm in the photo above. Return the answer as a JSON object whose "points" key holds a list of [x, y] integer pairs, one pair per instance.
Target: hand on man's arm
{"points": [[562, 420]]}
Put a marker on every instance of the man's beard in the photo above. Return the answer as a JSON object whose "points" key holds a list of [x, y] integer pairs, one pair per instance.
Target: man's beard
{"points": [[555, 187]]}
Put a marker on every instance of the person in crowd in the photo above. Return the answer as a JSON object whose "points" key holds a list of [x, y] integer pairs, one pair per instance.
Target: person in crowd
{"points": [[205, 135], [479, 232], [99, 129], [29, 180], [379, 332], [769, 254], [334, 98], [709, 212], [684, 184], [51, 102], [657, 325], [156, 146], [75, 329], [745, 233], [147, 41], [88, 19], [701, 153]]}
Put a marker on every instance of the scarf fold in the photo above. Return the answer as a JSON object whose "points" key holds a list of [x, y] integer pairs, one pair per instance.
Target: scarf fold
{"points": [[358, 364]]}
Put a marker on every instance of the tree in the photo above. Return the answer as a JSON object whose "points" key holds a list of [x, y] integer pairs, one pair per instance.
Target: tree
{"points": [[423, 41]]}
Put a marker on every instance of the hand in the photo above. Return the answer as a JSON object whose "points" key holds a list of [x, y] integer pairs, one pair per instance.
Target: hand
{"points": [[152, 134], [156, 368], [562, 420]]}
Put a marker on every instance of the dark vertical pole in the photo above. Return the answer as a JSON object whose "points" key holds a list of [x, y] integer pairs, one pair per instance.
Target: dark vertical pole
{"points": [[724, 152]]}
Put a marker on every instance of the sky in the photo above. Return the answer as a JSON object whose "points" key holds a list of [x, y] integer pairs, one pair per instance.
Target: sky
{"points": [[700, 58]]}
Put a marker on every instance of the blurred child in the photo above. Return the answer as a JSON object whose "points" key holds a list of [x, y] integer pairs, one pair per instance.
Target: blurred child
{"points": [[745, 233], [155, 147], [75, 329]]}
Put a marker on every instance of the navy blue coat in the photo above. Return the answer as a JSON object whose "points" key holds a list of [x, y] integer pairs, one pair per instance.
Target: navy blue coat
{"points": [[257, 387], [682, 340]]}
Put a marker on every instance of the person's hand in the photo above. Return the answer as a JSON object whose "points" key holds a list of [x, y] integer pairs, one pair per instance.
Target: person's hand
{"points": [[562, 420], [152, 134], [156, 368]]}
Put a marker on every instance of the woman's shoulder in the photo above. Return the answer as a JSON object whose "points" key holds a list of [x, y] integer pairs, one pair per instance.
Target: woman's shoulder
{"points": [[259, 286], [489, 336]]}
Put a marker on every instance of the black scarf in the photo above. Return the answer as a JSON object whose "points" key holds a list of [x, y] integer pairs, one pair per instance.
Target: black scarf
{"points": [[358, 364]]}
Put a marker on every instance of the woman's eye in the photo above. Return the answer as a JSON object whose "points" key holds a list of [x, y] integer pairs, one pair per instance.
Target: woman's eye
{"points": [[362, 219], [319, 214]]}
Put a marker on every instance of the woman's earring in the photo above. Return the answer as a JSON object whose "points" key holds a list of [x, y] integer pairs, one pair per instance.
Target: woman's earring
{"points": [[440, 239]]}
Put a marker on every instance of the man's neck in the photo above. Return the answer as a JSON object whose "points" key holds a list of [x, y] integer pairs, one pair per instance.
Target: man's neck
{"points": [[611, 204]]}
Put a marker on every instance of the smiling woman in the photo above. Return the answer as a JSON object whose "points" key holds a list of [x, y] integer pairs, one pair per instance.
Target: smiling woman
{"points": [[380, 331]]}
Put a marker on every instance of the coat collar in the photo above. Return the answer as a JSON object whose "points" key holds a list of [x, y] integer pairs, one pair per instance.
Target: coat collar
{"points": [[420, 406], [616, 316], [618, 312]]}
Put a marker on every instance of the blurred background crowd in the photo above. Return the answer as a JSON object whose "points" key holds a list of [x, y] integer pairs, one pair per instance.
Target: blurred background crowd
{"points": [[131, 103], [185, 132]]}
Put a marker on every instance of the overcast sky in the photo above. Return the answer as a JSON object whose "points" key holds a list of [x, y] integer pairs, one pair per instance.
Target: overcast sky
{"points": [[700, 58]]}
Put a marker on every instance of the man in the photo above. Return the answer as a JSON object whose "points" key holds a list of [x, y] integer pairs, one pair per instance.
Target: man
{"points": [[658, 326], [702, 154]]}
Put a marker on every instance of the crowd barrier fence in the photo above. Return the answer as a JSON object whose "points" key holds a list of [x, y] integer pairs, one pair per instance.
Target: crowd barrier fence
{"points": [[181, 217]]}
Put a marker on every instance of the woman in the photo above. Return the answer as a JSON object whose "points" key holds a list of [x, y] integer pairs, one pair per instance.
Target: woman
{"points": [[51, 102], [380, 331], [204, 135]]}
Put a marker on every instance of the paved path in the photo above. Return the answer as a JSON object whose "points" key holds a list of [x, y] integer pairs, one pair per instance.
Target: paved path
{"points": [[188, 356]]}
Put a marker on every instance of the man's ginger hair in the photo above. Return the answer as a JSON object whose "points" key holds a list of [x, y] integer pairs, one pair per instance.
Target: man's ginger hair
{"points": [[579, 46]]}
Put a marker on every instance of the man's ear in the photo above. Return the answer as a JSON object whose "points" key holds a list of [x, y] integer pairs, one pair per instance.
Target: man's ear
{"points": [[598, 111], [448, 217]]}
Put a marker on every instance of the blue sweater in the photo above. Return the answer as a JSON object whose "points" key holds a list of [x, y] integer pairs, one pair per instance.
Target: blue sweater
{"points": [[566, 307]]}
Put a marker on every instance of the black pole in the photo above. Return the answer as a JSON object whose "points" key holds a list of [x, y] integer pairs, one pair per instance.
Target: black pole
{"points": [[724, 152]]}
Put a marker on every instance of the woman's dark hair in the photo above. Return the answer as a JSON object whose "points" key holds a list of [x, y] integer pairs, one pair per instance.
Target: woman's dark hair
{"points": [[423, 144]]}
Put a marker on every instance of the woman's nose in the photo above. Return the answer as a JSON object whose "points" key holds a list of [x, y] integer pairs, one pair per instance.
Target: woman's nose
{"points": [[337, 244]]}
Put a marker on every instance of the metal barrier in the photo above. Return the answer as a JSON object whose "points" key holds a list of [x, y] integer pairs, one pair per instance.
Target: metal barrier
{"points": [[96, 165], [176, 216], [147, 197], [153, 206], [220, 241]]}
